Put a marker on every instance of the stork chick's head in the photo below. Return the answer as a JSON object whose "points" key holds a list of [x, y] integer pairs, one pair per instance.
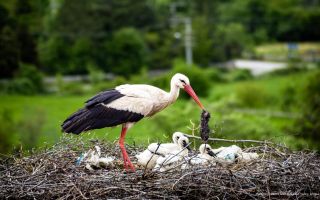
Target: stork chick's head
{"points": [[183, 142], [182, 81], [206, 149], [176, 136]]}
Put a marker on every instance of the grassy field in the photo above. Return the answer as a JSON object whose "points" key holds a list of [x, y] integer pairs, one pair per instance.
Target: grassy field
{"points": [[232, 116]]}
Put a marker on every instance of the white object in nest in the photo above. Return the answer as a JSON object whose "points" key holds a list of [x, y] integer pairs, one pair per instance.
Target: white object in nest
{"points": [[175, 158], [205, 157], [149, 157], [93, 160], [233, 153], [247, 156]]}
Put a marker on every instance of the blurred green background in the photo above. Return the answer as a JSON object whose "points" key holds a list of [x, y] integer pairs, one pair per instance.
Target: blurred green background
{"points": [[254, 64]]}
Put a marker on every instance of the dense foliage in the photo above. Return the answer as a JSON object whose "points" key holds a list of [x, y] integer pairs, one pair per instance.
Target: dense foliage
{"points": [[70, 36]]}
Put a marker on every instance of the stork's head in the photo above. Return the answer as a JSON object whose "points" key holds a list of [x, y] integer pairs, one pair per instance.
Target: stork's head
{"points": [[206, 149], [176, 136], [183, 142], [181, 81]]}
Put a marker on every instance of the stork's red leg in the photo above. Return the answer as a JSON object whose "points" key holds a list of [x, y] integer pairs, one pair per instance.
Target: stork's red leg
{"points": [[126, 160]]}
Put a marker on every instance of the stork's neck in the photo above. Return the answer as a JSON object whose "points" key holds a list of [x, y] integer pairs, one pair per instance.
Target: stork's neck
{"points": [[174, 93]]}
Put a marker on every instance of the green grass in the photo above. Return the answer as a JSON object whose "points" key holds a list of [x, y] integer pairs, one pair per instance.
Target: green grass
{"points": [[228, 118]]}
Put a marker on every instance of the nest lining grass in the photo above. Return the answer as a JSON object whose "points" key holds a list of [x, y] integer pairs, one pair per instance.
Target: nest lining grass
{"points": [[51, 173]]}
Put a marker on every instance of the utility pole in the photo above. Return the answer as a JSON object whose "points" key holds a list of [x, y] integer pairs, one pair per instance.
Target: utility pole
{"points": [[188, 41], [175, 20]]}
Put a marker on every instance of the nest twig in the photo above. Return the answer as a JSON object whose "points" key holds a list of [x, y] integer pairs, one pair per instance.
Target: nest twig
{"points": [[52, 173]]}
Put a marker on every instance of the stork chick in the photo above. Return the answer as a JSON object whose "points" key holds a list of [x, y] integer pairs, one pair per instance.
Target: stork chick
{"points": [[148, 158], [175, 158]]}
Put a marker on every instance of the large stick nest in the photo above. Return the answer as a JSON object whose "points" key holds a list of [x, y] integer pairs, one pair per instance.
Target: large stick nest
{"points": [[52, 173]]}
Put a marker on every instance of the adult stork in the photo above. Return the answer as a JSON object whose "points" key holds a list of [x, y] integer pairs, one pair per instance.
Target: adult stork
{"points": [[126, 105]]}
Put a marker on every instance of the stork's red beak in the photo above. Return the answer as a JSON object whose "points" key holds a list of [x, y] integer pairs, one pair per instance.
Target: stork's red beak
{"points": [[190, 91]]}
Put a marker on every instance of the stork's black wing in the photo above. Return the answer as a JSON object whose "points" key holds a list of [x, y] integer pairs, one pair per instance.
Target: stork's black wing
{"points": [[104, 97], [97, 115]]}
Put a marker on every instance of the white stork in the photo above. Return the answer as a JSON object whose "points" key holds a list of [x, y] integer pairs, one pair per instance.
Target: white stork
{"points": [[126, 105]]}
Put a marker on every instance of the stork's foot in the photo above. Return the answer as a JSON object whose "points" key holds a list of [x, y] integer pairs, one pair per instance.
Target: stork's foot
{"points": [[129, 166], [126, 161]]}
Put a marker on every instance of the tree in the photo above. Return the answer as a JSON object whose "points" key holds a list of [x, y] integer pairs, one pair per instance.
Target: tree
{"points": [[126, 52], [230, 41], [203, 44], [27, 44], [9, 49], [81, 55]]}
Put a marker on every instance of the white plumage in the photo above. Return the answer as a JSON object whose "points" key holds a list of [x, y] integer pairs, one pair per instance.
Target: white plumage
{"points": [[93, 160], [204, 157], [175, 158], [149, 157]]}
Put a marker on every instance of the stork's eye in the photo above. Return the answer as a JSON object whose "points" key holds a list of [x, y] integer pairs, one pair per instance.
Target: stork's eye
{"points": [[208, 149], [182, 81]]}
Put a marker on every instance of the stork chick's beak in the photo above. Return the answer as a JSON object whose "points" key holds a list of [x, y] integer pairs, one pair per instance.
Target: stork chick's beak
{"points": [[186, 145], [190, 91], [212, 154]]}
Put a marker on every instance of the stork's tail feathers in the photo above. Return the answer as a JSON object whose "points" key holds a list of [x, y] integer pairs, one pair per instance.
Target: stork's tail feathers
{"points": [[77, 122]]}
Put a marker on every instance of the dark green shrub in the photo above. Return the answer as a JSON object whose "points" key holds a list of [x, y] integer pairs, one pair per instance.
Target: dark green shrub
{"points": [[21, 86], [240, 75], [293, 67], [106, 85], [162, 81], [288, 97], [95, 75], [126, 52], [28, 81], [249, 95], [73, 89], [215, 75], [309, 124]]}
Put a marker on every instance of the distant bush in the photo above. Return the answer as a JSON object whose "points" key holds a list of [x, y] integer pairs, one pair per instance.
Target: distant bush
{"points": [[309, 124], [293, 67], [20, 86], [162, 81], [126, 52], [106, 85], [288, 97], [95, 75], [239, 75], [28, 81], [74, 88], [249, 95], [215, 75]]}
